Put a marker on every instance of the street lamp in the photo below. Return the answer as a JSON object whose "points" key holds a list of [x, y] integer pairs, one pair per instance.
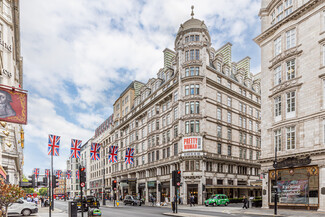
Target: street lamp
{"points": [[276, 180], [103, 186]]}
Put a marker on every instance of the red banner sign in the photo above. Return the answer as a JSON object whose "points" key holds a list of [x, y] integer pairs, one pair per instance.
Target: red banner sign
{"points": [[193, 143], [13, 105]]}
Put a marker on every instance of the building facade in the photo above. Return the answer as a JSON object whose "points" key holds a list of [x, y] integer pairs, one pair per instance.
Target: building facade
{"points": [[11, 74], [73, 187], [85, 161], [61, 189], [201, 115], [293, 101]]}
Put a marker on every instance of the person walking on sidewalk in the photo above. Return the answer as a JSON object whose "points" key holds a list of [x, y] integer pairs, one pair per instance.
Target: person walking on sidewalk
{"points": [[192, 200], [245, 201]]}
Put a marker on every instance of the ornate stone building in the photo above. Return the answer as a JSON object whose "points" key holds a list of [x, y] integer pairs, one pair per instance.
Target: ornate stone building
{"points": [[293, 101], [11, 74], [201, 115]]}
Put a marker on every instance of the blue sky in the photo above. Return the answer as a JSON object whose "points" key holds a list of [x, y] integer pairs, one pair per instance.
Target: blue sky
{"points": [[79, 55]]}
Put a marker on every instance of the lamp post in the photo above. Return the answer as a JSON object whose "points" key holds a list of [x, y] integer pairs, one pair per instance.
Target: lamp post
{"points": [[276, 181], [103, 186]]}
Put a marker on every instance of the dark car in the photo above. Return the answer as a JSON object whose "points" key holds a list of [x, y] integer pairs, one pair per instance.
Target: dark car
{"points": [[93, 202], [78, 200], [131, 200]]}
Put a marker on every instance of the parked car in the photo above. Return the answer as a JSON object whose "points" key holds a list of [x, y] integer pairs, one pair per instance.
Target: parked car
{"points": [[131, 200], [22, 207], [217, 200]]}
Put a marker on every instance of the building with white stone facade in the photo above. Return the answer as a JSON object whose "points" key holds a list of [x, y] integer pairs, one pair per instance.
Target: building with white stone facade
{"points": [[292, 44], [201, 115], [85, 162], [73, 186], [11, 74]]}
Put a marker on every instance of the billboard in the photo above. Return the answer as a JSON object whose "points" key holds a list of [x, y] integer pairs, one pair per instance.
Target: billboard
{"points": [[13, 105], [192, 143]]}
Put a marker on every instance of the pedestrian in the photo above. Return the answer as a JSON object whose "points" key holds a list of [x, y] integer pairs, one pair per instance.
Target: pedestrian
{"points": [[36, 200], [245, 201], [29, 199], [192, 200], [42, 201]]}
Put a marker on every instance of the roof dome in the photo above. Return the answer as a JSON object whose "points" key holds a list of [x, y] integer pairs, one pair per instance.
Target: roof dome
{"points": [[192, 24]]}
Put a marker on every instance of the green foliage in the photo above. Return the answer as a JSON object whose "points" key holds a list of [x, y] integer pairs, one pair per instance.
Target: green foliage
{"points": [[43, 191], [29, 190], [8, 195], [25, 179]]}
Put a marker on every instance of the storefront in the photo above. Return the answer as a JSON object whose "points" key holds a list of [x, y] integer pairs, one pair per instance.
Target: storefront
{"points": [[152, 189], [165, 191], [141, 190], [192, 190], [297, 187]]}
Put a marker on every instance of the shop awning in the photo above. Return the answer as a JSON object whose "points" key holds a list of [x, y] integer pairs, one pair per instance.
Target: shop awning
{"points": [[3, 173], [236, 186]]}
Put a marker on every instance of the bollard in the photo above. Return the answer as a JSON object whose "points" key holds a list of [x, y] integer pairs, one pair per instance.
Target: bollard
{"points": [[72, 209]]}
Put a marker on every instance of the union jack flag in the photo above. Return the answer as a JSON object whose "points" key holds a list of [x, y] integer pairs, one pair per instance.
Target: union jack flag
{"points": [[112, 157], [47, 172], [129, 155], [58, 174], [68, 174], [54, 145], [94, 151], [36, 173], [75, 148], [77, 174]]}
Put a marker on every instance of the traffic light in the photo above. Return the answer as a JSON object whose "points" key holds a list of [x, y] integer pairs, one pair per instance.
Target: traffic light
{"points": [[159, 187], [82, 172], [55, 182], [176, 178], [114, 184]]}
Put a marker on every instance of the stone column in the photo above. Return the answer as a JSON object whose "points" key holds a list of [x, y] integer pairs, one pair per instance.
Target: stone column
{"points": [[172, 191], [321, 185], [185, 192], [137, 183], [265, 191], [158, 192]]}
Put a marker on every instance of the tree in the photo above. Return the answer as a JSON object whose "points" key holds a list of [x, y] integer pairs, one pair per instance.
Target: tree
{"points": [[43, 191], [8, 195], [25, 179], [29, 190]]}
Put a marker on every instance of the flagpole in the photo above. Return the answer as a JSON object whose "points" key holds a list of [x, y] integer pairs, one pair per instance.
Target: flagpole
{"points": [[52, 204]]}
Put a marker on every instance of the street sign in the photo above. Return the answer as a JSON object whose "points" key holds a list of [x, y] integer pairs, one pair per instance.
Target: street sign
{"points": [[82, 184]]}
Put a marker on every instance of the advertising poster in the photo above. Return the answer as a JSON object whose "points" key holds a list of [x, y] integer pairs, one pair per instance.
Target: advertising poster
{"points": [[13, 106], [293, 192], [192, 143]]}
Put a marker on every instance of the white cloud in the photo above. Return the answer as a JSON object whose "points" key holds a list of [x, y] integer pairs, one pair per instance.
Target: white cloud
{"points": [[78, 53]]}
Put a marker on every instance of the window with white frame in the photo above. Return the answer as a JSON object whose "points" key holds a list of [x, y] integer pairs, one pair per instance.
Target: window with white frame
{"points": [[277, 46], [277, 139], [279, 12], [291, 104], [277, 108], [219, 131], [218, 97], [187, 108], [288, 7], [291, 137], [219, 113], [229, 117], [218, 67], [291, 69], [229, 101], [291, 38], [250, 125]]}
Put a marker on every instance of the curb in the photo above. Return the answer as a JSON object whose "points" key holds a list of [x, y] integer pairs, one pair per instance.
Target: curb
{"points": [[185, 215]]}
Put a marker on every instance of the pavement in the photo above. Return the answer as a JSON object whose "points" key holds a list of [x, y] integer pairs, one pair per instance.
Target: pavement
{"points": [[147, 210]]}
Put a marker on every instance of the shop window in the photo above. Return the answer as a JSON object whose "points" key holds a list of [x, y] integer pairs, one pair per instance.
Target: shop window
{"points": [[219, 182]]}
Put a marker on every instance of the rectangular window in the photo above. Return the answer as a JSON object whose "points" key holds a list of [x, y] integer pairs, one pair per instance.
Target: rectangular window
{"points": [[277, 139], [279, 12], [192, 126], [187, 127], [192, 108], [197, 38], [197, 54], [192, 38], [277, 108], [175, 131], [219, 148], [187, 72], [291, 138], [219, 79], [219, 68], [229, 151], [197, 107], [219, 113], [187, 90], [229, 102], [192, 89], [229, 117], [197, 89], [197, 126], [175, 149], [277, 75], [187, 56], [191, 54], [229, 84], [291, 38], [229, 134], [175, 113], [192, 71], [277, 46], [197, 71], [219, 131], [219, 97], [291, 69], [291, 103]]}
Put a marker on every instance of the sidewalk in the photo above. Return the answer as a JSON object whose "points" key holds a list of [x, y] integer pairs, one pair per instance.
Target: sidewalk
{"points": [[240, 212], [44, 212]]}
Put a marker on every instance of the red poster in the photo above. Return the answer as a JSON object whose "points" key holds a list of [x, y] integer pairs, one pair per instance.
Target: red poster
{"points": [[13, 106]]}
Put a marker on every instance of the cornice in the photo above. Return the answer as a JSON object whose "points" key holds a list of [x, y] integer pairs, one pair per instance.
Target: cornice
{"points": [[293, 16], [193, 78], [285, 55], [298, 155], [285, 86]]}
